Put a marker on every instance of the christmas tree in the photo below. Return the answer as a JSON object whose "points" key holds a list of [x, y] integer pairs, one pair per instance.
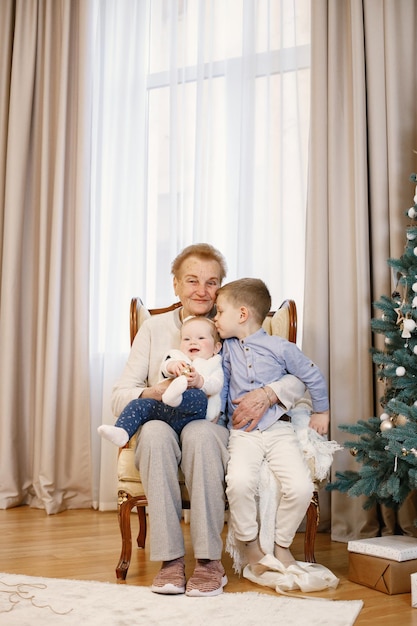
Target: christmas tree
{"points": [[386, 446]]}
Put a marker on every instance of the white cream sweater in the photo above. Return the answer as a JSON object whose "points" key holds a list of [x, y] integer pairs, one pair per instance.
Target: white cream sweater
{"points": [[156, 335]]}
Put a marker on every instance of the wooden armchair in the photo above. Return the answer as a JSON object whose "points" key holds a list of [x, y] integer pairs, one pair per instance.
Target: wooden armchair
{"points": [[131, 494]]}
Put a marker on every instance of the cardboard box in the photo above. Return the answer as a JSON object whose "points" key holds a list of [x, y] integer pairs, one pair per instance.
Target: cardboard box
{"points": [[393, 547], [384, 575]]}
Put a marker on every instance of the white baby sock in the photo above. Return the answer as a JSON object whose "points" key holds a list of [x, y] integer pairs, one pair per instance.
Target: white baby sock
{"points": [[173, 395], [114, 434]]}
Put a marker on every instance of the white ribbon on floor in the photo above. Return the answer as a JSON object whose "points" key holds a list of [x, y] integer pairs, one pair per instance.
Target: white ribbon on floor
{"points": [[306, 577]]}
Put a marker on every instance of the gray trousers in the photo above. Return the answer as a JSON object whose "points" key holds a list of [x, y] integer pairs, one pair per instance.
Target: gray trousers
{"points": [[201, 451]]}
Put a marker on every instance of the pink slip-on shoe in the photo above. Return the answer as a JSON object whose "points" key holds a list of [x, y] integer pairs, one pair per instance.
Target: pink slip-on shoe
{"points": [[208, 579], [170, 579]]}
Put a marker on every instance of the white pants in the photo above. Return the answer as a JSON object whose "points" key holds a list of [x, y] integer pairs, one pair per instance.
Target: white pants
{"points": [[279, 446]]}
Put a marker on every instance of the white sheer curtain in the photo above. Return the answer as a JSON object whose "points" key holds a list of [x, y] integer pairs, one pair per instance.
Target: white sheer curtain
{"points": [[200, 130]]}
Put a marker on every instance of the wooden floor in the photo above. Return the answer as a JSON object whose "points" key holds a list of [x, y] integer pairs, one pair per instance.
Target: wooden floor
{"points": [[85, 544]]}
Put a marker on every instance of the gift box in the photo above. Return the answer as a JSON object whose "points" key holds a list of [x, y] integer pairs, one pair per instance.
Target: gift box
{"points": [[414, 590], [384, 575], [393, 547]]}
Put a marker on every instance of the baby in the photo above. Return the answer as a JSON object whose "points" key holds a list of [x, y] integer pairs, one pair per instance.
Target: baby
{"points": [[194, 392]]}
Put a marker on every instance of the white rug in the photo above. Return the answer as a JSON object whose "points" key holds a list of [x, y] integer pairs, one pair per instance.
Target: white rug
{"points": [[29, 601]]}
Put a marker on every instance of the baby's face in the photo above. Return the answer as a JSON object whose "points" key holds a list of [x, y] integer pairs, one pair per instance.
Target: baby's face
{"points": [[197, 340]]}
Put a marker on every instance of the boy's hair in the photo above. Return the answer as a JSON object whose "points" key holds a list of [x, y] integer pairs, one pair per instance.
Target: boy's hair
{"points": [[210, 322], [251, 293], [203, 251]]}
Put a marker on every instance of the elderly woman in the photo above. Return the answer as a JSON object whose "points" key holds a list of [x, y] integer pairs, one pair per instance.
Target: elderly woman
{"points": [[200, 450]]}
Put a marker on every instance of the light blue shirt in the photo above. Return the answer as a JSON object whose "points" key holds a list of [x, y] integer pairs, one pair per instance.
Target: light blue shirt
{"points": [[261, 359]]}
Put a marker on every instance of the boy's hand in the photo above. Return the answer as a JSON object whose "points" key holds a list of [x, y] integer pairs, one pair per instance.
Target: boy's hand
{"points": [[320, 422]]}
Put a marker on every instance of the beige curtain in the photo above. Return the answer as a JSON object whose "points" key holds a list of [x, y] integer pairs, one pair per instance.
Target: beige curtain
{"points": [[44, 255], [362, 142]]}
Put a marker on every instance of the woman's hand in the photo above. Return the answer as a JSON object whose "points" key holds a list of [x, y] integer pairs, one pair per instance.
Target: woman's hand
{"points": [[155, 392], [250, 409]]}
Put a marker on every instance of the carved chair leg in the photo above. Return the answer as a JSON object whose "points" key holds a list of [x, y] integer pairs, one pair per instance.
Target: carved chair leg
{"points": [[311, 528], [126, 504], [142, 526]]}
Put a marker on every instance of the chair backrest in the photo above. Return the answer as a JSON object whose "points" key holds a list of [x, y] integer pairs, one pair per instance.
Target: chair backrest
{"points": [[281, 322]]}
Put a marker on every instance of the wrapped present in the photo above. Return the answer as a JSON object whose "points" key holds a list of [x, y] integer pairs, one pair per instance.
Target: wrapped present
{"points": [[384, 575], [393, 547], [414, 590]]}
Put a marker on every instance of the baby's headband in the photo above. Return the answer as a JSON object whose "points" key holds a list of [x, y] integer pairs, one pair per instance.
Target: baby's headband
{"points": [[200, 317]]}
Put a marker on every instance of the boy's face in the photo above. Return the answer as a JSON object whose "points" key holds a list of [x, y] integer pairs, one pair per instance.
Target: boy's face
{"points": [[197, 340], [227, 318]]}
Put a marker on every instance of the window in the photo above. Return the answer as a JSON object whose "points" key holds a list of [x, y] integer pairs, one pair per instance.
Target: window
{"points": [[201, 116], [200, 124]]}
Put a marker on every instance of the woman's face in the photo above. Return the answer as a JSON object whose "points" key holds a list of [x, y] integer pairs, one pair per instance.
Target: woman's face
{"points": [[196, 285]]}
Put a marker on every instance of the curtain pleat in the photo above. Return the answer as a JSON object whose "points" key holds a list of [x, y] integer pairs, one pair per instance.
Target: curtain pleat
{"points": [[44, 321], [363, 132]]}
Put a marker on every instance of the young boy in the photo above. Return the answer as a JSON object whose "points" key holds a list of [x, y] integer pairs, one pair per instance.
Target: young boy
{"points": [[253, 359], [194, 393]]}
